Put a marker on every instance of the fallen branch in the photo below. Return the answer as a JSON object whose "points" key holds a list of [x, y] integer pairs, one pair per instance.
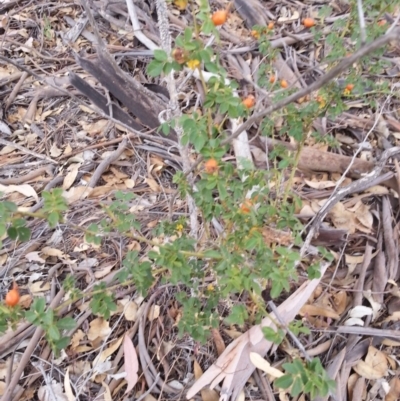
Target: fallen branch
{"points": [[106, 162], [356, 186], [174, 109], [21, 179]]}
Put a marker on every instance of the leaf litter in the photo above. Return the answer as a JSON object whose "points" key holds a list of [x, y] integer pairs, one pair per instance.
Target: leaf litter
{"points": [[45, 128]]}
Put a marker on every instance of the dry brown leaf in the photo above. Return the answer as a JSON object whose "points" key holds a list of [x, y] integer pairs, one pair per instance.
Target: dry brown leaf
{"points": [[289, 16], [234, 334], [39, 287], [394, 392], [340, 301], [359, 389], [259, 362], [378, 190], [69, 179], [394, 317], [391, 343], [152, 183], [6, 150], [375, 365], [47, 393], [130, 310], [350, 259], [103, 270], [79, 367], [68, 149], [67, 386], [107, 393], [34, 257], [103, 190], [55, 151], [351, 382], [154, 312], [3, 258], [320, 184], [25, 301], [114, 345], [149, 397], [48, 251], [99, 329], [118, 174], [95, 127], [84, 348], [24, 189], [342, 218], [317, 310], [129, 183], [206, 394], [131, 364], [77, 193], [376, 306], [218, 341], [364, 216], [274, 236], [77, 337]]}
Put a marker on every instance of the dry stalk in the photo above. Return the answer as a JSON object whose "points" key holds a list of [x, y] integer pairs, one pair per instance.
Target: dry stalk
{"points": [[175, 111]]}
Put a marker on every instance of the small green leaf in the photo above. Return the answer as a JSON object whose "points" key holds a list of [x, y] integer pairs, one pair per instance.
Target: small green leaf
{"points": [[24, 233], [66, 323], [3, 229], [212, 254], [53, 332], [48, 317], [155, 68], [160, 55], [165, 128], [62, 343], [10, 206], [19, 223], [52, 219], [297, 387], [276, 289], [187, 35], [238, 315], [284, 381], [12, 233], [32, 317], [39, 305]]}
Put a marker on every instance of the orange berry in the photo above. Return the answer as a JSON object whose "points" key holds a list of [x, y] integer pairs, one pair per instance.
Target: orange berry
{"points": [[349, 87], [249, 101], [308, 22], [255, 34], [211, 166], [284, 83], [12, 297], [271, 26], [219, 17], [179, 55], [272, 79], [246, 206]]}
